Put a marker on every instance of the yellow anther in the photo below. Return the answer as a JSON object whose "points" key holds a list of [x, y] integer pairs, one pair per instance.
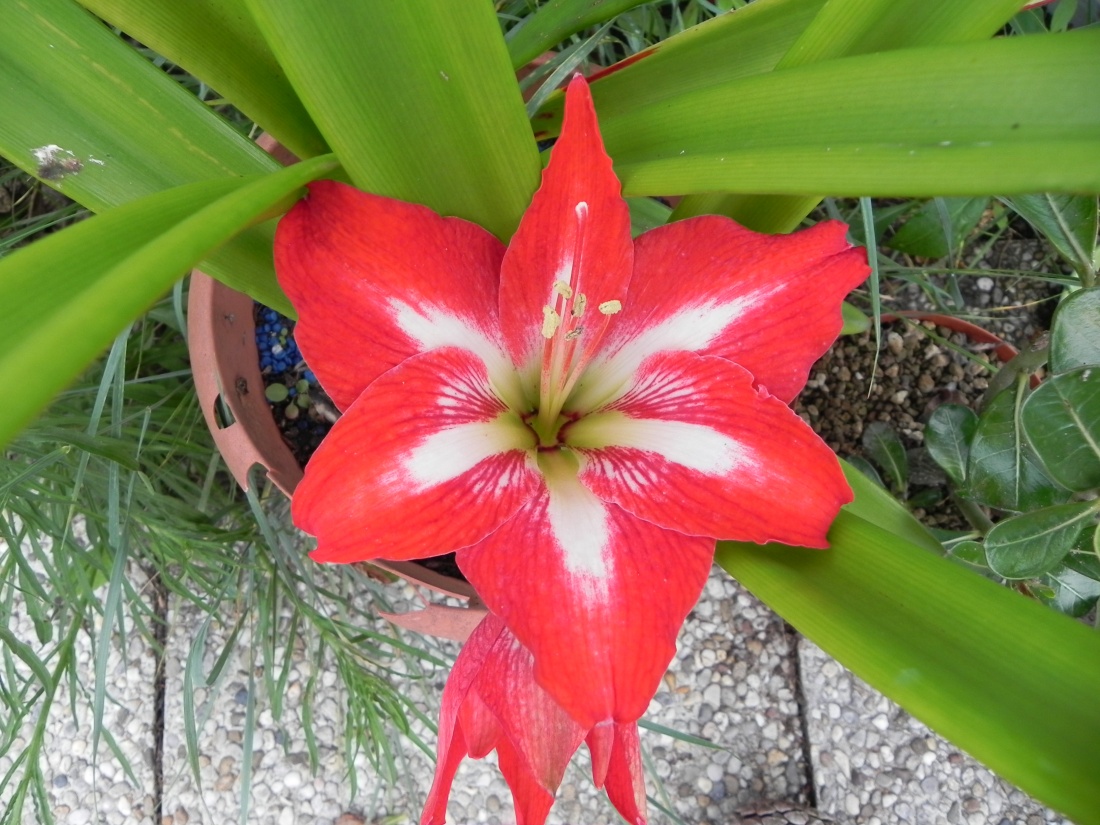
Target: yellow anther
{"points": [[550, 322], [610, 307], [563, 289], [579, 305]]}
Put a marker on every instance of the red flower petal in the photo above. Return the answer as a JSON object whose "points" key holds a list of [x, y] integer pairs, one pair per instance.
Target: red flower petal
{"points": [[571, 577], [625, 783], [376, 280], [576, 230], [770, 303], [452, 746], [693, 447], [491, 701], [426, 460]]}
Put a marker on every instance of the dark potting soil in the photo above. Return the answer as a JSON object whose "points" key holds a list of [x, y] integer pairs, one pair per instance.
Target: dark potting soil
{"points": [[302, 410]]}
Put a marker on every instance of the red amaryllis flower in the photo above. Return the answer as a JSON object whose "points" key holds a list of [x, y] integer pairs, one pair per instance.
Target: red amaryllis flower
{"points": [[492, 702], [579, 415]]}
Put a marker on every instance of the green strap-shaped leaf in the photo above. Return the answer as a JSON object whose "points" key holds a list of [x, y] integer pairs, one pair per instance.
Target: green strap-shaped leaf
{"points": [[748, 41], [849, 28], [922, 123], [133, 130], [107, 127], [852, 27], [418, 100], [556, 20], [76, 289], [218, 42], [1010, 681]]}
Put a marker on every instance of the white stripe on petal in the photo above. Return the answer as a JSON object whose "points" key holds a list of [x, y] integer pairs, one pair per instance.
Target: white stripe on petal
{"points": [[433, 328], [694, 446], [447, 454], [579, 523], [692, 329]]}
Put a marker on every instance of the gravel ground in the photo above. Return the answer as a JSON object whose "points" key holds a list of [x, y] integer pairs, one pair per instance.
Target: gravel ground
{"points": [[791, 728], [876, 764], [85, 784]]}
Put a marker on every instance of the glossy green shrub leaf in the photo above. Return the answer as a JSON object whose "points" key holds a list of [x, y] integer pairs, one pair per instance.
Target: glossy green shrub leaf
{"points": [[884, 447], [1031, 544], [1075, 337], [948, 435], [1008, 680], [1062, 423], [970, 554], [1003, 470], [855, 320], [939, 227], [867, 468], [1072, 593], [418, 101], [218, 42], [81, 286], [1069, 222], [1085, 555], [556, 20]]}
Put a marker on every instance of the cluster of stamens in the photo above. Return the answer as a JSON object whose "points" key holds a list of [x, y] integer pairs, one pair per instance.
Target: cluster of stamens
{"points": [[568, 348]]}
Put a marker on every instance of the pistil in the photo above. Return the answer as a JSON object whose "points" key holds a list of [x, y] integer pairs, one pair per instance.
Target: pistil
{"points": [[566, 334]]}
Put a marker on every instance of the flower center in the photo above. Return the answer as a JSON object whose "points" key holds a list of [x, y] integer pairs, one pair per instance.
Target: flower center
{"points": [[570, 337]]}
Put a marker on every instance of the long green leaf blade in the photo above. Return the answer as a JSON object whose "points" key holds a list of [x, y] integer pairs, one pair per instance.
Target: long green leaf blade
{"points": [[923, 123], [740, 44], [430, 112], [133, 129], [1010, 681], [849, 28], [217, 41], [106, 127], [556, 20], [77, 288]]}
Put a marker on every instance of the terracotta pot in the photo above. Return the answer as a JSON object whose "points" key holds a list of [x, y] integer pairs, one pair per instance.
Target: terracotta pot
{"points": [[221, 333], [1001, 348]]}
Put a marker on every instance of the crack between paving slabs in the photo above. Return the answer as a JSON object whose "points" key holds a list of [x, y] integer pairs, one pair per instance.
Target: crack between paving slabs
{"points": [[803, 718], [160, 647]]}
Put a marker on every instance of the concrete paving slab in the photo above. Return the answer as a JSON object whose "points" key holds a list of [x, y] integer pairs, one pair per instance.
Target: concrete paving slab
{"points": [[740, 693], [877, 765]]}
